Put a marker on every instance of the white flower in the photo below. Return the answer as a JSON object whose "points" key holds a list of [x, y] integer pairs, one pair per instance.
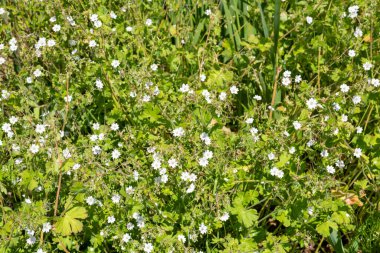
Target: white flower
{"points": [[203, 161], [287, 74], [310, 143], [271, 156], [13, 120], [90, 200], [292, 150], [96, 150], [358, 32], [172, 163], [113, 15], [367, 66], [184, 88], [208, 154], [46, 227], [148, 22], [98, 24], [357, 152], [40, 128], [297, 125], [115, 63], [351, 53], [34, 148], [76, 166], [51, 43], [257, 97], [132, 94], [66, 153], [116, 198], [2, 11], [344, 88], [2, 60], [203, 229], [115, 126], [111, 219], [181, 238], [234, 90], [356, 100], [95, 126], [359, 130], [56, 28], [339, 164], [156, 164], [298, 79], [148, 247], [203, 77], [309, 20], [311, 103], [126, 238], [99, 84], [115, 154], [129, 190], [353, 11], [286, 81], [178, 132], [92, 43], [94, 17], [324, 153], [375, 82], [330, 169], [208, 12], [130, 226], [68, 98], [154, 67], [129, 28], [222, 96], [344, 118], [249, 121], [224, 217], [276, 172], [28, 201], [37, 73], [6, 127], [71, 20], [40, 251], [336, 106], [31, 240]]}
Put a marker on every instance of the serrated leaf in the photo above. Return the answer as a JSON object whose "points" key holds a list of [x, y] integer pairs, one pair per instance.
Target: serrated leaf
{"points": [[324, 228], [245, 216], [69, 223]]}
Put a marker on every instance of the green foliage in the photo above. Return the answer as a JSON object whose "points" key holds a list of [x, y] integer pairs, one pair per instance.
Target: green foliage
{"points": [[153, 126]]}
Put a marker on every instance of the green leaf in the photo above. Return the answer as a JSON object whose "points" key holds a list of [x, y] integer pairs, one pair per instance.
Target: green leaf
{"points": [[245, 216], [69, 223], [324, 228], [336, 241]]}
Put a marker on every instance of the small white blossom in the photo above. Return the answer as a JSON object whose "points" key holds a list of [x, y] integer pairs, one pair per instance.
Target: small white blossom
{"points": [[115, 63], [203, 229], [56, 28], [311, 103], [234, 90], [358, 152], [367, 66], [148, 22], [330, 169]]}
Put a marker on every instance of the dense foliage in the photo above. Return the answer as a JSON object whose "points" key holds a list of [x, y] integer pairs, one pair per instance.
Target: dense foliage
{"points": [[189, 126]]}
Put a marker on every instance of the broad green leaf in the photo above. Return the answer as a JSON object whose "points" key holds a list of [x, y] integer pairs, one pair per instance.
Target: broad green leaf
{"points": [[69, 223], [324, 228]]}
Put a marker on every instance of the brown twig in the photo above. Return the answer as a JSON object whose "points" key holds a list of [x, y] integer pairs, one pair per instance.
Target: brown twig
{"points": [[274, 92], [56, 146]]}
